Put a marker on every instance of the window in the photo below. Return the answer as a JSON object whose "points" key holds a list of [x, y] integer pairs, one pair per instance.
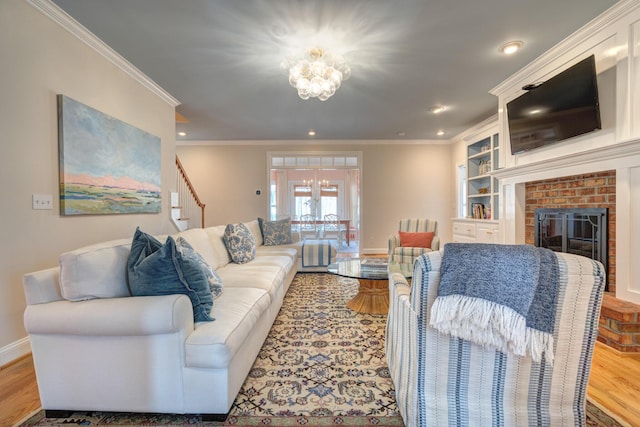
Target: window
{"points": [[303, 200], [329, 198]]}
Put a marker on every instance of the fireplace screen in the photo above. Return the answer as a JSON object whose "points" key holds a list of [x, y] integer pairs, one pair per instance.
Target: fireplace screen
{"points": [[580, 231]]}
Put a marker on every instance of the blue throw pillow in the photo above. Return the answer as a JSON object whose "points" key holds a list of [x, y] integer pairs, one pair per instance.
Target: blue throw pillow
{"points": [[240, 243], [215, 282], [156, 269], [276, 233]]}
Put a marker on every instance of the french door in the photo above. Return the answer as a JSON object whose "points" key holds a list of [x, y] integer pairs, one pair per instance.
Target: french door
{"points": [[317, 184]]}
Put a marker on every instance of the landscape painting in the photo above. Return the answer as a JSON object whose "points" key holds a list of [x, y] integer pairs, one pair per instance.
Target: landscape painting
{"points": [[106, 166]]}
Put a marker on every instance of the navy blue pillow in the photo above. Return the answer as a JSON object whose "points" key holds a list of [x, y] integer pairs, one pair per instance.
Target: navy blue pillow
{"points": [[157, 269]]}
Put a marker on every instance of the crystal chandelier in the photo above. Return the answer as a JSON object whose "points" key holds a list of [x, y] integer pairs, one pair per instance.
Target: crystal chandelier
{"points": [[318, 74]]}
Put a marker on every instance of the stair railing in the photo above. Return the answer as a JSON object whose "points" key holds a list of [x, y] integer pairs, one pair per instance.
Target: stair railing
{"points": [[191, 207]]}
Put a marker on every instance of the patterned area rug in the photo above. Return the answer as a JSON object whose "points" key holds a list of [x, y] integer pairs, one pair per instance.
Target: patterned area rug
{"points": [[321, 365]]}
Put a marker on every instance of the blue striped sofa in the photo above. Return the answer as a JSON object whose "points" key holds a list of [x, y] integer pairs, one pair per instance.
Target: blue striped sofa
{"points": [[402, 254], [445, 381]]}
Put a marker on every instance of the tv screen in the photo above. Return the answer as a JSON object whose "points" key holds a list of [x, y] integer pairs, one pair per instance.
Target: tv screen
{"points": [[564, 106]]}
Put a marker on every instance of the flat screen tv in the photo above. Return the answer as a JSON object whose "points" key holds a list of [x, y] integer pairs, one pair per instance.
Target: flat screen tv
{"points": [[564, 106]]}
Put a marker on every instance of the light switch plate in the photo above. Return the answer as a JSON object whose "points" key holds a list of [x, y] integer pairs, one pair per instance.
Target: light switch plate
{"points": [[42, 201]]}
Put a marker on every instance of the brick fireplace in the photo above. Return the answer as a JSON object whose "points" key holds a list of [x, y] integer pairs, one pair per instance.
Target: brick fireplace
{"points": [[594, 190], [619, 320]]}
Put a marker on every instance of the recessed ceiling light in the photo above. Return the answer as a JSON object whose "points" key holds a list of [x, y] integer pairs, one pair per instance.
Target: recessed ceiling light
{"points": [[182, 134], [312, 133], [437, 109], [511, 47], [440, 133]]}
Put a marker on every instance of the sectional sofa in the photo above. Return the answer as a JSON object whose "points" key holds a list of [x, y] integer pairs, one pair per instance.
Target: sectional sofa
{"points": [[98, 348]]}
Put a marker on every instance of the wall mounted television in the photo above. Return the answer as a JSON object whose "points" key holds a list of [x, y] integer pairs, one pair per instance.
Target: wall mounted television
{"points": [[564, 106]]}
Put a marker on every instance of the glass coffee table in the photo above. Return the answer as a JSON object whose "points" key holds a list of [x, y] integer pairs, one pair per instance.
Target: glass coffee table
{"points": [[373, 276]]}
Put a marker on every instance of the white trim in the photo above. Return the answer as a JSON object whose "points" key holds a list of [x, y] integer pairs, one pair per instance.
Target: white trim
{"points": [[59, 16], [619, 151], [314, 142], [14, 350]]}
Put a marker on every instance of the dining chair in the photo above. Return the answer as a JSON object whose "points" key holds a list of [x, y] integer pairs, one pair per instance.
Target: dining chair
{"points": [[333, 228]]}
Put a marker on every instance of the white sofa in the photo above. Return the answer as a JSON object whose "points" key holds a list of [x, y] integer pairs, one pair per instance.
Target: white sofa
{"points": [[97, 348]]}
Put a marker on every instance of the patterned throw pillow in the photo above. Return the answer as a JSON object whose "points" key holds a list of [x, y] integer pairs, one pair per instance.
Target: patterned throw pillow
{"points": [[240, 243], [276, 233], [187, 251], [157, 269]]}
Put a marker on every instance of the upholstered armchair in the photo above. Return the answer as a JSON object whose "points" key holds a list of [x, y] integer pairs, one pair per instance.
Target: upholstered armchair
{"points": [[442, 380], [411, 240]]}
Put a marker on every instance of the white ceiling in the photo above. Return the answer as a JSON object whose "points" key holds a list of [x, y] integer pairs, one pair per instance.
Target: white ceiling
{"points": [[221, 59]]}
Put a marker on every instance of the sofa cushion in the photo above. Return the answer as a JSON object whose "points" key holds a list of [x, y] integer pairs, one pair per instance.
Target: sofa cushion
{"points": [[254, 228], [220, 252], [276, 233], [96, 271], [240, 243], [213, 345], [215, 282], [199, 240], [416, 240], [157, 269]]}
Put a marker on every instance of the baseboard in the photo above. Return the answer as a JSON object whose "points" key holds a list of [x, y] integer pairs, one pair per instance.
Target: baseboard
{"points": [[15, 350]]}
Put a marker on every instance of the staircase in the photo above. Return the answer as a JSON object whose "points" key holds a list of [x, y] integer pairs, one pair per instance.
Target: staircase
{"points": [[187, 211]]}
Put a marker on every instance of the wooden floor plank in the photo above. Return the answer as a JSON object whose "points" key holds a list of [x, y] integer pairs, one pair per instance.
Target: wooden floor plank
{"points": [[18, 391]]}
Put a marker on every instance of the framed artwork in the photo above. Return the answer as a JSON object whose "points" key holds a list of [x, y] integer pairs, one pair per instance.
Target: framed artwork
{"points": [[106, 166]]}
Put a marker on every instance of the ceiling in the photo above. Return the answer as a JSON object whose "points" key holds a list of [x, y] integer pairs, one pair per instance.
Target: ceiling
{"points": [[222, 60]]}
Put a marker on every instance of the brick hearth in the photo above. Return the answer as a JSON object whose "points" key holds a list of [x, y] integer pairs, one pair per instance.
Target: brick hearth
{"points": [[619, 320], [620, 325]]}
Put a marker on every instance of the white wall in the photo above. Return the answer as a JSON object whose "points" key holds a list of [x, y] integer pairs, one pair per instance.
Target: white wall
{"points": [[39, 61], [398, 181]]}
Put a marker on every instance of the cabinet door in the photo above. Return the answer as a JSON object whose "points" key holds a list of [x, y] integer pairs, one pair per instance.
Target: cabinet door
{"points": [[463, 239], [487, 234], [464, 232]]}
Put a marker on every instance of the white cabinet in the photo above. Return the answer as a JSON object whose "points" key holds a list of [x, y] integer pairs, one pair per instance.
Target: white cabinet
{"points": [[475, 231], [487, 233], [464, 232]]}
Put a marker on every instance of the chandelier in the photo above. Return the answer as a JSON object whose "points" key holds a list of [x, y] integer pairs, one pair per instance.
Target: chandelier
{"points": [[318, 74]]}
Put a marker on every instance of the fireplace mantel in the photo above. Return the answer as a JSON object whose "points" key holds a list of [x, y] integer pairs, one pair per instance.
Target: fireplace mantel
{"points": [[615, 152], [624, 158]]}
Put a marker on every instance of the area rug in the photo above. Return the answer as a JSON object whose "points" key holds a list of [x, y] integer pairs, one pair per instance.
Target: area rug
{"points": [[321, 365]]}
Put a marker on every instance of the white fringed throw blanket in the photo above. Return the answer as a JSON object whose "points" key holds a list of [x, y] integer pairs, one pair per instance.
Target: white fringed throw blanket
{"points": [[499, 296]]}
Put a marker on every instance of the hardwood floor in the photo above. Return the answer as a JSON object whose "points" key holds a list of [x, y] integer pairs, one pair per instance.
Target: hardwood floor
{"points": [[614, 385], [18, 391]]}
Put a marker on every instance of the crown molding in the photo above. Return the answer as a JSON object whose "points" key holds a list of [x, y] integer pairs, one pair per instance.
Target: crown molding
{"points": [[314, 142], [59, 16], [602, 21]]}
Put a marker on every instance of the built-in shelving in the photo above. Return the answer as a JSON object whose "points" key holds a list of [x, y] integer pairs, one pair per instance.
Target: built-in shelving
{"points": [[482, 189]]}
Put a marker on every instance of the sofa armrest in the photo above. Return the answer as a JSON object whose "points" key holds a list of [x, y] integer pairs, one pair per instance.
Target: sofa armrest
{"points": [[435, 243], [42, 286], [128, 316]]}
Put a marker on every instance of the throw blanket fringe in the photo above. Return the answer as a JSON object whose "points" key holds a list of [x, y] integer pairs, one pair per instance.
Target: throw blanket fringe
{"points": [[491, 325], [507, 304]]}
